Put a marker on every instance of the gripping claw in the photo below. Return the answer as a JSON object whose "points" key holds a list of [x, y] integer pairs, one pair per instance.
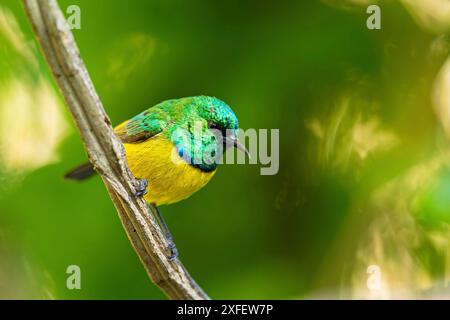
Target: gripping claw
{"points": [[141, 187], [173, 250]]}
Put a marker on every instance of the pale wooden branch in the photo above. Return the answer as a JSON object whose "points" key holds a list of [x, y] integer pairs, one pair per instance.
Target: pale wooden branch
{"points": [[105, 150]]}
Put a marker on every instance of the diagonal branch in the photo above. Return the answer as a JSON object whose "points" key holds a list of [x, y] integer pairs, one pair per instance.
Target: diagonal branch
{"points": [[105, 150]]}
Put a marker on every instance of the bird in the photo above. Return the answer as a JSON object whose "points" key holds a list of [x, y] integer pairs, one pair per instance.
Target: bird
{"points": [[173, 149]]}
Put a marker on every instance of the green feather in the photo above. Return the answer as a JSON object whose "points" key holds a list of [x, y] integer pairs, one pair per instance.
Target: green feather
{"points": [[178, 120]]}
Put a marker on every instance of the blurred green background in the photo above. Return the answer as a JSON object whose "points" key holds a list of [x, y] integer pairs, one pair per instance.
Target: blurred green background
{"points": [[364, 126]]}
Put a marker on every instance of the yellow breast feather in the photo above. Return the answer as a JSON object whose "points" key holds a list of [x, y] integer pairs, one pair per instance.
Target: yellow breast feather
{"points": [[169, 181]]}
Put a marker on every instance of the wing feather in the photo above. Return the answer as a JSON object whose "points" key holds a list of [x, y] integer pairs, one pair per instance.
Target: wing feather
{"points": [[143, 126]]}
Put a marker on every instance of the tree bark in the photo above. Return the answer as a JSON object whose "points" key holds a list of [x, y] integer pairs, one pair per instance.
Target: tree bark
{"points": [[105, 150]]}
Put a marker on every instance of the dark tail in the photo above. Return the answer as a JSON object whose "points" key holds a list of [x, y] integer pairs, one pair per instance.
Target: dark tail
{"points": [[80, 173]]}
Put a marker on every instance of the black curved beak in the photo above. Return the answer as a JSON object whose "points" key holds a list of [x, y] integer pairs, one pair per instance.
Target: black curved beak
{"points": [[233, 141]]}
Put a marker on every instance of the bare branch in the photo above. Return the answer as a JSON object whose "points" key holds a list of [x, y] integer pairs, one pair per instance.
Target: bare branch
{"points": [[105, 150]]}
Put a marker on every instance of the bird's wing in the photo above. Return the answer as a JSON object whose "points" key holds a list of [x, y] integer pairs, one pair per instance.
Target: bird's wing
{"points": [[143, 126]]}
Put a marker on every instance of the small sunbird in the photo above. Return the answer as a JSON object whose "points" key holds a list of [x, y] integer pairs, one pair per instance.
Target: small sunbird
{"points": [[173, 149]]}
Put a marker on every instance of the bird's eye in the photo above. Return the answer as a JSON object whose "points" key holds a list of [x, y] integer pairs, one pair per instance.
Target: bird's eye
{"points": [[212, 125]]}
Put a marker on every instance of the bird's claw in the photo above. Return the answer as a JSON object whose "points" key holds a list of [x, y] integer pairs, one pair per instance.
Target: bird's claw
{"points": [[141, 187], [173, 250]]}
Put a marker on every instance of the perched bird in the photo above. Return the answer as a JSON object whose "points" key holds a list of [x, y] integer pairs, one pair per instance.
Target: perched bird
{"points": [[174, 148]]}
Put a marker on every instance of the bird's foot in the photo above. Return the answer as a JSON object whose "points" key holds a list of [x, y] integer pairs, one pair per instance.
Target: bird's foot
{"points": [[141, 187], [172, 249]]}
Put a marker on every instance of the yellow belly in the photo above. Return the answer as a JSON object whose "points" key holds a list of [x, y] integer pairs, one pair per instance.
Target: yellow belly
{"points": [[168, 181]]}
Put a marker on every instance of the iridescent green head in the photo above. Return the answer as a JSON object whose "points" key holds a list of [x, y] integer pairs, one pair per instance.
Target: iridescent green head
{"points": [[211, 127], [218, 114]]}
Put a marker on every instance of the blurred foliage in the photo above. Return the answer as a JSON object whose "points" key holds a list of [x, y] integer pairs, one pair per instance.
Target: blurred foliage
{"points": [[364, 176]]}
